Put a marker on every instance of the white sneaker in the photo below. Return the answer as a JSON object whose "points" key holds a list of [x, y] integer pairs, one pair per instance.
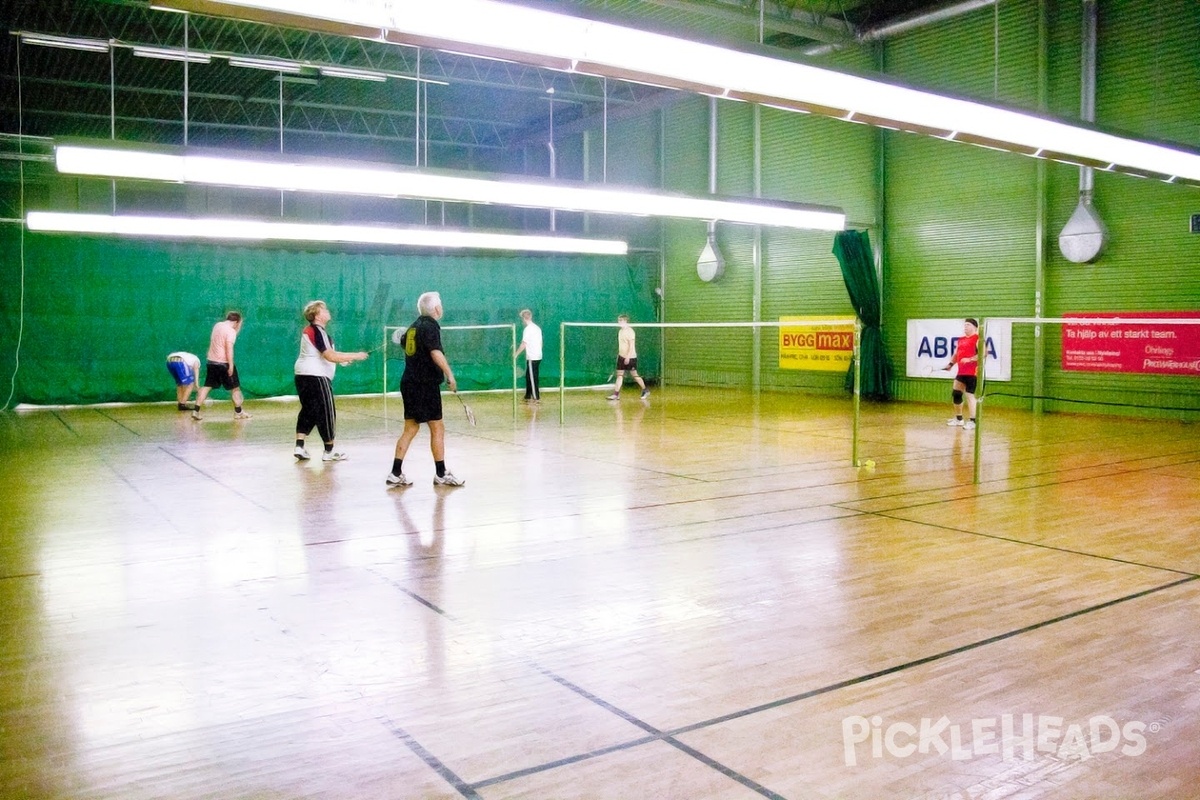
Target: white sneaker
{"points": [[969, 425], [196, 415], [645, 393], [954, 422], [242, 415], [334, 455], [301, 454], [397, 480], [614, 396], [448, 480]]}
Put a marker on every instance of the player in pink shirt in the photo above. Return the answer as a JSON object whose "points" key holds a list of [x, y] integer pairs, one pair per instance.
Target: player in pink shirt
{"points": [[220, 371]]}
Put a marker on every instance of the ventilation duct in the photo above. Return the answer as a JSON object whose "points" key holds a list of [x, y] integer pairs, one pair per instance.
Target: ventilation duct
{"points": [[711, 264], [1084, 235]]}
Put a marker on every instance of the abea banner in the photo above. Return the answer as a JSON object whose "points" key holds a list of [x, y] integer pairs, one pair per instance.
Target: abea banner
{"points": [[931, 343], [826, 344]]}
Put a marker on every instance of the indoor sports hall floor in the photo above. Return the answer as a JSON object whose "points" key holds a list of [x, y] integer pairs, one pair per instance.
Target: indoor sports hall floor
{"points": [[694, 597]]}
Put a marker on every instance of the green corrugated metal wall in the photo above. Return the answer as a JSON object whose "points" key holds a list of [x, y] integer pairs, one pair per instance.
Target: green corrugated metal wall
{"points": [[805, 159], [962, 233], [961, 222], [1149, 85], [961, 226]]}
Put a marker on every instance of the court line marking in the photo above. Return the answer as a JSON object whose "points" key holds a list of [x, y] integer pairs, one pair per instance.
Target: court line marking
{"points": [[217, 481], [997, 537], [928, 659], [117, 422], [431, 761], [668, 736], [656, 735], [1192, 457]]}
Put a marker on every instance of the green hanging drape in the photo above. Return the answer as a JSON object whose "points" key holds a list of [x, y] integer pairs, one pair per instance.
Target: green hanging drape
{"points": [[853, 251]]}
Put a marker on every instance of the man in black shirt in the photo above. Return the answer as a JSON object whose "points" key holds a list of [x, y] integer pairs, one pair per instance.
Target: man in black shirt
{"points": [[425, 366]]}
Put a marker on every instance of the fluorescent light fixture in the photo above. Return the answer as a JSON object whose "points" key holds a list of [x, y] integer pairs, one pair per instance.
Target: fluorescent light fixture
{"points": [[171, 54], [250, 171], [486, 28], [356, 74], [270, 64], [253, 230], [65, 42]]}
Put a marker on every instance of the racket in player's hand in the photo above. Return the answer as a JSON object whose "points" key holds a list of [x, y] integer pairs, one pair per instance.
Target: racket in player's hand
{"points": [[466, 409]]}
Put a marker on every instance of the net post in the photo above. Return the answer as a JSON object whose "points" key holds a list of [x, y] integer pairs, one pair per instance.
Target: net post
{"points": [[980, 370], [385, 360], [857, 389], [562, 372], [514, 369]]}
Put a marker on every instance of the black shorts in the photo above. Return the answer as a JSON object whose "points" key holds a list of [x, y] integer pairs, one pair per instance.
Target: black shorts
{"points": [[217, 376], [422, 401], [627, 363], [968, 381]]}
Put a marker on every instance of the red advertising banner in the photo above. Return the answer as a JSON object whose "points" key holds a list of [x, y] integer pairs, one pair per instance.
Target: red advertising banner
{"points": [[1157, 347]]}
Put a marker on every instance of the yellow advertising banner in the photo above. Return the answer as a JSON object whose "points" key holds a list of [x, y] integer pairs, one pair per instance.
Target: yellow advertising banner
{"points": [[823, 346]]}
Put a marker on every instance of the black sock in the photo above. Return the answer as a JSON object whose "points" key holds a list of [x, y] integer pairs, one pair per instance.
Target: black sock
{"points": [[958, 416], [441, 468], [237, 409], [300, 443], [329, 447], [397, 466]]}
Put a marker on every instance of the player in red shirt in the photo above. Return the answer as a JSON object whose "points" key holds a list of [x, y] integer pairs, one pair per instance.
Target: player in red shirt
{"points": [[966, 356]]}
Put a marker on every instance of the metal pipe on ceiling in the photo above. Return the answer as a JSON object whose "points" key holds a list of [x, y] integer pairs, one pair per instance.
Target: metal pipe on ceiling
{"points": [[910, 23]]}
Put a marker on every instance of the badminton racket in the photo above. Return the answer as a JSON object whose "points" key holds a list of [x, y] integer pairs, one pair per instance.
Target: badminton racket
{"points": [[466, 409]]}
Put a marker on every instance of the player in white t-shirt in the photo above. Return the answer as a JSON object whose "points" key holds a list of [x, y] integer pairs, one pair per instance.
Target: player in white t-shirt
{"points": [[185, 369], [531, 345]]}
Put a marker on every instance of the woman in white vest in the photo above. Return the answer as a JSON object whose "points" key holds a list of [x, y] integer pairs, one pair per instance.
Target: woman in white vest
{"points": [[314, 382]]}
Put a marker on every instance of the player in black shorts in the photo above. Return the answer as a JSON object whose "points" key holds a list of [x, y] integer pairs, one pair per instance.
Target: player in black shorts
{"points": [[425, 366]]}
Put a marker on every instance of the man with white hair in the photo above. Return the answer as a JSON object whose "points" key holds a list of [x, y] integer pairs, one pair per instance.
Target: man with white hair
{"points": [[425, 366], [531, 345]]}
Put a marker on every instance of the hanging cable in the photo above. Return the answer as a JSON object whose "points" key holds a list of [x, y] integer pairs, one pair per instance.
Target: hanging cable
{"points": [[186, 75], [12, 386], [996, 52], [604, 137], [112, 117], [280, 77]]}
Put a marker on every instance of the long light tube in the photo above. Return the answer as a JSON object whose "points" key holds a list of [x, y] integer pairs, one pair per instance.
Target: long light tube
{"points": [[270, 64], [64, 42], [356, 74], [172, 54], [253, 230], [495, 29], [249, 170]]}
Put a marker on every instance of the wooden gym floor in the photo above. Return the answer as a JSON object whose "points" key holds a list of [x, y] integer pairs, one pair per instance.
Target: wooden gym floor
{"points": [[695, 597]]}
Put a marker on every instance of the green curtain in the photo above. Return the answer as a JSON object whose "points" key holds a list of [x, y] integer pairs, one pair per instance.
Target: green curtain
{"points": [[99, 315], [853, 251]]}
